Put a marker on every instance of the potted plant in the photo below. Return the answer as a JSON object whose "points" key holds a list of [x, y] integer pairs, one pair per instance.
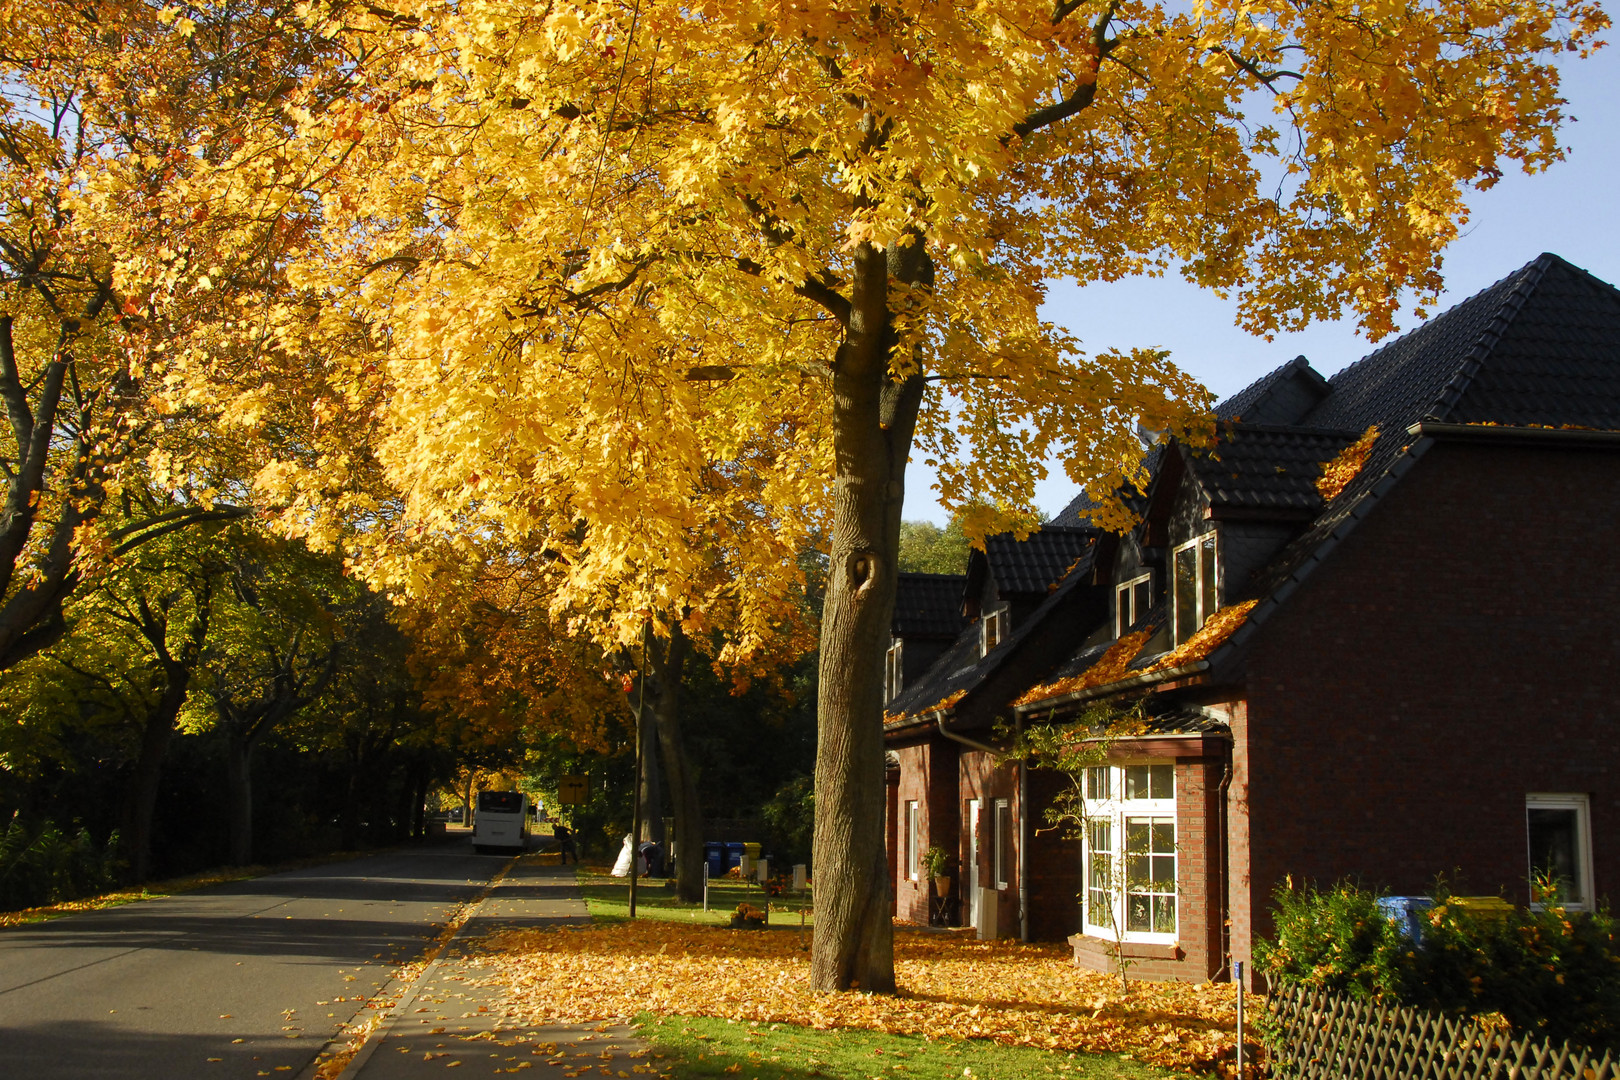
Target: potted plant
{"points": [[749, 917], [935, 862]]}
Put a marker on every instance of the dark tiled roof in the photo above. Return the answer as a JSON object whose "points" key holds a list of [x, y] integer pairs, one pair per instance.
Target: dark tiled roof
{"points": [[929, 605], [960, 668], [1257, 467], [1077, 515], [1278, 397], [1182, 720], [1549, 332], [1035, 564]]}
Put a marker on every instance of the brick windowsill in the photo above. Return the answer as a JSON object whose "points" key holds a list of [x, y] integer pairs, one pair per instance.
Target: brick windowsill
{"points": [[1133, 950]]}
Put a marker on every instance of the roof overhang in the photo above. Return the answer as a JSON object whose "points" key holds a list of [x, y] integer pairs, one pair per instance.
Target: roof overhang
{"points": [[1498, 434], [1134, 682]]}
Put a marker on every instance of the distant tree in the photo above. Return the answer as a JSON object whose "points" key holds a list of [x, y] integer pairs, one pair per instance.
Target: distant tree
{"points": [[925, 548]]}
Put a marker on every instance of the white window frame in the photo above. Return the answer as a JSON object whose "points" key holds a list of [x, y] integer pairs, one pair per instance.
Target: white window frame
{"points": [[1108, 819], [1206, 585], [893, 671], [1581, 803], [992, 630], [1125, 609], [1001, 846], [913, 840]]}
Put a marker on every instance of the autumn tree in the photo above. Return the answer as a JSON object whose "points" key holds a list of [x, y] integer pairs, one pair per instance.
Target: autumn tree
{"points": [[583, 257]]}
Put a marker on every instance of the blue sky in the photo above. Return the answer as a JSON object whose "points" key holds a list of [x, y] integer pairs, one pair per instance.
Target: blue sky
{"points": [[1569, 210]]}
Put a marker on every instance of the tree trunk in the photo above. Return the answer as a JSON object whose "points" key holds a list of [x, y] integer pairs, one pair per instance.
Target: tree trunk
{"points": [[873, 420], [155, 737], [650, 789], [239, 780], [678, 770], [349, 815]]}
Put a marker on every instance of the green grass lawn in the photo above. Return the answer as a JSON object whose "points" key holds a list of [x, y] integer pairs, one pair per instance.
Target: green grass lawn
{"points": [[727, 1050], [608, 899]]}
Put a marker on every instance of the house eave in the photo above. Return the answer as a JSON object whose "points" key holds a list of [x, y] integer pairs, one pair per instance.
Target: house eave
{"points": [[1498, 434], [1134, 682]]}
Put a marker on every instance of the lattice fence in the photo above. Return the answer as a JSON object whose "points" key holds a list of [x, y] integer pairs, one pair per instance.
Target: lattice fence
{"points": [[1316, 1035]]}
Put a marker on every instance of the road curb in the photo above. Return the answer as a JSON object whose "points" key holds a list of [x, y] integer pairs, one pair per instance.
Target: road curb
{"points": [[407, 996]]}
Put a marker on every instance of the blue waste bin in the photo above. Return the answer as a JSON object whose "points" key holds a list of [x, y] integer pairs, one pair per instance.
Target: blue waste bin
{"points": [[734, 854], [714, 854], [1406, 912]]}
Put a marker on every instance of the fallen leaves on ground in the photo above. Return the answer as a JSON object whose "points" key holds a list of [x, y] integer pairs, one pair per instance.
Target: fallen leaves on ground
{"points": [[952, 987]]}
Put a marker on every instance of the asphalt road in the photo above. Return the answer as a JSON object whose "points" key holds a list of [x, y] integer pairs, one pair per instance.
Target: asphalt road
{"points": [[242, 980]]}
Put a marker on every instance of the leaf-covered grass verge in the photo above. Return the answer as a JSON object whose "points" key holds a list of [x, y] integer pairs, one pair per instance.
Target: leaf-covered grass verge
{"points": [[952, 988], [608, 900], [696, 1046]]}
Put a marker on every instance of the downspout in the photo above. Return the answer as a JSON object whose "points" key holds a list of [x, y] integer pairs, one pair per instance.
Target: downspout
{"points": [[1226, 863], [1023, 836], [939, 722]]}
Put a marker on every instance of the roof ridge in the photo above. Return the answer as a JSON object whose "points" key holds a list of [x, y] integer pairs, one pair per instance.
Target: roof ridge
{"points": [[1509, 309]]}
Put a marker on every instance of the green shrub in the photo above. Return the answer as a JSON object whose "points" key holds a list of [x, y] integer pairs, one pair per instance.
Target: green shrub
{"points": [[1552, 973], [1335, 939], [45, 867]]}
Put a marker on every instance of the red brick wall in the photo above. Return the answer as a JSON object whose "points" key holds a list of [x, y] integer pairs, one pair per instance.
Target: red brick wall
{"points": [[928, 774], [1456, 651]]}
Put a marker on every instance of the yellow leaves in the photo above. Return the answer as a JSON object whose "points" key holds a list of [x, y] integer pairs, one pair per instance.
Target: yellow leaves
{"points": [[1216, 629], [1346, 465], [952, 987], [1109, 668]]}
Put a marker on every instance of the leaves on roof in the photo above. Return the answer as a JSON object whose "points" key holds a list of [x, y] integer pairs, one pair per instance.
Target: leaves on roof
{"points": [[1346, 465], [1110, 667], [1216, 629]]}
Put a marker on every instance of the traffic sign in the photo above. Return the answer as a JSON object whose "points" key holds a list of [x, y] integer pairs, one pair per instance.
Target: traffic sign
{"points": [[571, 790]]}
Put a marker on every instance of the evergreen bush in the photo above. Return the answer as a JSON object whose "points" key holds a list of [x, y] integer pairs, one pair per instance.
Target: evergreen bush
{"points": [[45, 867], [1552, 973]]}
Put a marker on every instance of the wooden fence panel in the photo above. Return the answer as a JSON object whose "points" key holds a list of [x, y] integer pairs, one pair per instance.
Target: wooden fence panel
{"points": [[1317, 1035]]}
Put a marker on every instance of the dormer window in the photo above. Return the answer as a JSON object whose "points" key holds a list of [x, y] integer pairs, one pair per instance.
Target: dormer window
{"points": [[992, 628], [893, 672], [1193, 585], [1131, 600]]}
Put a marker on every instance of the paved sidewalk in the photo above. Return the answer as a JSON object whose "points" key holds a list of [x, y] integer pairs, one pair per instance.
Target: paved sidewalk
{"points": [[453, 1022]]}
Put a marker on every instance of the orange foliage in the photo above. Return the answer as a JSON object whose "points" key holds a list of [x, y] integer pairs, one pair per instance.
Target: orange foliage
{"points": [[1110, 667], [1346, 465], [1216, 629], [943, 703], [952, 987]]}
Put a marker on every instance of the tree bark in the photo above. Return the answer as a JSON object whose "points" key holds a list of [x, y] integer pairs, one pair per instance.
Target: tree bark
{"points": [[156, 734], [239, 797], [688, 813], [874, 417], [650, 789]]}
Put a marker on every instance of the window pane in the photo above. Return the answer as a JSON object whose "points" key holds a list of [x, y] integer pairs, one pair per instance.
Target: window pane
{"points": [[1122, 610], [1140, 600], [1102, 836], [1164, 873], [1206, 575], [1137, 784], [1162, 781], [1164, 837], [1553, 838], [1137, 835], [1097, 911], [1186, 593], [1139, 914], [1164, 914], [1101, 871], [1098, 784]]}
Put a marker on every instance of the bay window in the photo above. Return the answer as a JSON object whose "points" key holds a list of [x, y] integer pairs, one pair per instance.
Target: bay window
{"points": [[1130, 852]]}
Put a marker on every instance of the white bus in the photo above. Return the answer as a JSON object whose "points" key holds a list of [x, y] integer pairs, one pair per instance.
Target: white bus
{"points": [[501, 821]]}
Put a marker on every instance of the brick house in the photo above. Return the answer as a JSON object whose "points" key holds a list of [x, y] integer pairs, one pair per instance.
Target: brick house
{"points": [[1370, 628]]}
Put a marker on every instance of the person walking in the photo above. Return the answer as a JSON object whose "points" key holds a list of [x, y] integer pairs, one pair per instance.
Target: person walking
{"points": [[565, 842]]}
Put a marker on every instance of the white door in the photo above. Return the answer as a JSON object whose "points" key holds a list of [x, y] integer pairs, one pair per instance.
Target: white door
{"points": [[971, 900]]}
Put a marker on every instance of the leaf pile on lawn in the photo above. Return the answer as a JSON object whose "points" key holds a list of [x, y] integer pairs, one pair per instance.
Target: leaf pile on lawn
{"points": [[952, 987]]}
